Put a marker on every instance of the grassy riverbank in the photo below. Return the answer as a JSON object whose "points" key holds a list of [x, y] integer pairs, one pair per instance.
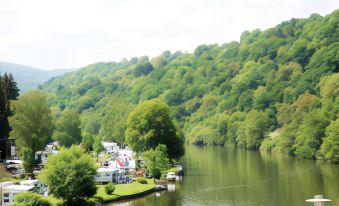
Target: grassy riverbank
{"points": [[123, 190]]}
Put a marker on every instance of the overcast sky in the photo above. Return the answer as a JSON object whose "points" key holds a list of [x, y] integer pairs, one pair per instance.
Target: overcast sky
{"points": [[74, 33]]}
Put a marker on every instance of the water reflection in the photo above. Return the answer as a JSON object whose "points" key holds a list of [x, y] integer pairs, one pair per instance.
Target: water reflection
{"points": [[171, 187], [220, 176]]}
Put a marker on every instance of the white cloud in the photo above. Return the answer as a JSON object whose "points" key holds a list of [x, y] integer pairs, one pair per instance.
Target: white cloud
{"points": [[72, 33]]}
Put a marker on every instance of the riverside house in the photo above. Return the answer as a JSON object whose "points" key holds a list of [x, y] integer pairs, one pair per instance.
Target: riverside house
{"points": [[39, 187], [106, 175], [9, 190]]}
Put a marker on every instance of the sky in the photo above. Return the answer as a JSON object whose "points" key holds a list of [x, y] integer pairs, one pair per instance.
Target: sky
{"points": [[59, 34]]}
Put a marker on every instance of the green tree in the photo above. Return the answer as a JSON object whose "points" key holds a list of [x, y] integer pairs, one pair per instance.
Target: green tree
{"points": [[90, 122], [156, 160], [142, 69], [87, 142], [284, 114], [149, 125], [70, 175], [330, 147], [97, 146], [68, 130], [257, 125], [113, 124], [27, 156], [310, 134], [260, 99], [31, 121]]}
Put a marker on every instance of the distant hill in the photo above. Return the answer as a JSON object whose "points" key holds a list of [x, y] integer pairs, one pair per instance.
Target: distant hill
{"points": [[29, 77]]}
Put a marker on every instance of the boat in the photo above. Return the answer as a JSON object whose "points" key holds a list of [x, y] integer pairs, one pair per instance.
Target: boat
{"points": [[170, 176]]}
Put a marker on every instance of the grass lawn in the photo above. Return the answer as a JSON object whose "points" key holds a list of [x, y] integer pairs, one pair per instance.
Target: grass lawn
{"points": [[124, 189]]}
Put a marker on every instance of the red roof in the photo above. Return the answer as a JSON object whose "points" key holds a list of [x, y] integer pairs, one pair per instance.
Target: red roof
{"points": [[120, 163]]}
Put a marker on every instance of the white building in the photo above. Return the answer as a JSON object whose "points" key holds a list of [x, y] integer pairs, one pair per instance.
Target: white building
{"points": [[42, 156], [9, 190], [126, 162], [39, 187], [105, 175], [51, 146], [110, 146]]}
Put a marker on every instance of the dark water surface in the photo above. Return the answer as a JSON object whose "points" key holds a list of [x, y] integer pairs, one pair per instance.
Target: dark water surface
{"points": [[222, 176]]}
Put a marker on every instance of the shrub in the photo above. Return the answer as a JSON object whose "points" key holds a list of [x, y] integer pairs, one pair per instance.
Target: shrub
{"points": [[267, 144], [31, 199], [109, 188], [142, 180]]}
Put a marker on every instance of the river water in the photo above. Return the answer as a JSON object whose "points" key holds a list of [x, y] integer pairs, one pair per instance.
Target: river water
{"points": [[222, 176]]}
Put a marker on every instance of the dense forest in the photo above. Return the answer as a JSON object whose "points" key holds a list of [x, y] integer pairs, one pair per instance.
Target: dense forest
{"points": [[275, 90]]}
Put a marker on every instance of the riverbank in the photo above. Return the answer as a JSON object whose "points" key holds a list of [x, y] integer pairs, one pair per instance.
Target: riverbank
{"points": [[125, 191]]}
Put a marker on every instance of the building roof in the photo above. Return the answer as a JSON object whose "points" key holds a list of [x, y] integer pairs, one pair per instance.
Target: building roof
{"points": [[7, 183], [103, 169], [109, 144], [42, 152], [125, 152], [29, 182], [21, 188]]}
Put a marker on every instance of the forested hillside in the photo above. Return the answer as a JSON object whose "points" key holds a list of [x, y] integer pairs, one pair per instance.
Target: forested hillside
{"points": [[283, 78]]}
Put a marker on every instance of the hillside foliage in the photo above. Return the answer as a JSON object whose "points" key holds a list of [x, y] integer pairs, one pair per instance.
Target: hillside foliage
{"points": [[234, 94]]}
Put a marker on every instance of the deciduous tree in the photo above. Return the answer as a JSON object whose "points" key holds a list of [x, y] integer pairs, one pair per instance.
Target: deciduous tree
{"points": [[70, 175], [31, 121], [68, 130], [149, 125]]}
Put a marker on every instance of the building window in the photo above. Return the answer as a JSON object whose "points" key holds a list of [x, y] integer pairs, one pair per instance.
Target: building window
{"points": [[6, 195]]}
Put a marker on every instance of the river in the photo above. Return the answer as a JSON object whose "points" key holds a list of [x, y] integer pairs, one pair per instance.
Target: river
{"points": [[221, 176]]}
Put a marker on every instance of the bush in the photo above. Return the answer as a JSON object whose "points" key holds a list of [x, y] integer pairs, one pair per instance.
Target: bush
{"points": [[142, 180], [109, 188], [267, 144], [31, 199]]}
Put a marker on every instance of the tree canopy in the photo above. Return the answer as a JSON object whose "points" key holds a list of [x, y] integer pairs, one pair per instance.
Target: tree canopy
{"points": [[70, 175], [68, 129], [149, 125], [31, 121], [156, 160]]}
